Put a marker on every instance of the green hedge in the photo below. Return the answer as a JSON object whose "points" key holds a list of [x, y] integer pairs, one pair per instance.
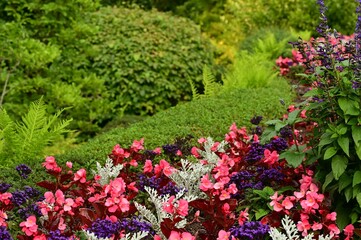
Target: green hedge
{"points": [[147, 57], [201, 117]]}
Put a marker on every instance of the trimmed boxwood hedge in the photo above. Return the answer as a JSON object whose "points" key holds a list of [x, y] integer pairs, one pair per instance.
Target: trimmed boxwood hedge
{"points": [[202, 117]]}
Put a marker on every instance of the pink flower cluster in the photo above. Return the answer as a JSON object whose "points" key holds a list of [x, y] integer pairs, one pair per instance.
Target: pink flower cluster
{"points": [[309, 205]]}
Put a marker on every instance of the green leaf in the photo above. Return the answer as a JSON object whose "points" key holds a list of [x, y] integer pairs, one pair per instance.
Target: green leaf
{"points": [[293, 158], [328, 180], [348, 194], [358, 152], [311, 93], [356, 178], [344, 181], [280, 125], [344, 143], [329, 153], [293, 116], [261, 212], [356, 190], [356, 134], [265, 193], [338, 165], [349, 106]]}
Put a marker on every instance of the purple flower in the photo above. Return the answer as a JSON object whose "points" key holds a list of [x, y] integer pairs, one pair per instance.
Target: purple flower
{"points": [[170, 189], [152, 182], [278, 144], [4, 187], [104, 228], [135, 224], [269, 175], [323, 27], [256, 120], [23, 170], [250, 230], [56, 235], [255, 154], [32, 209], [4, 234]]}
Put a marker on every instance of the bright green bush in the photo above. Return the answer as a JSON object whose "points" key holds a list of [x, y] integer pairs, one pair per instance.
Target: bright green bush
{"points": [[147, 58], [201, 117]]}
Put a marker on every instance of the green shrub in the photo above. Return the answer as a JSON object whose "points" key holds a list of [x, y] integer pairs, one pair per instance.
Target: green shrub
{"points": [[201, 117], [147, 58], [24, 141]]}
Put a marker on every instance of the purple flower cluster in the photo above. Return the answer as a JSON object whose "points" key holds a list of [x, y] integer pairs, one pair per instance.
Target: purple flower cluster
{"points": [[271, 175], [250, 230], [4, 234], [135, 224], [23, 170], [56, 235], [104, 228], [286, 132], [278, 145], [170, 189], [255, 154], [19, 197], [170, 149], [152, 182], [32, 209], [256, 120], [149, 154], [4, 187]]}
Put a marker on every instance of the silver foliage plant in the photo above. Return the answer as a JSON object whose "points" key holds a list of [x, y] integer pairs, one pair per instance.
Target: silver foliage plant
{"points": [[292, 232], [208, 154], [108, 172], [128, 236]]}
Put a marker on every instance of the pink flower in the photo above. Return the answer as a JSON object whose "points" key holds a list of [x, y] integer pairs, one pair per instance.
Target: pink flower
{"points": [[287, 202], [157, 237], [223, 235], [138, 145], [168, 205], [51, 164], [148, 166], [164, 167], [333, 229], [133, 163], [59, 197], [275, 202], [232, 189], [80, 175], [195, 153], [116, 203], [68, 204], [5, 198], [226, 208], [157, 151], [316, 226], [119, 152], [187, 236], [303, 225], [179, 153], [69, 164], [348, 230], [224, 195], [182, 207], [331, 216], [270, 158], [206, 184], [243, 217], [116, 187], [202, 140], [131, 186], [3, 217], [174, 236], [29, 226], [303, 114], [61, 225]]}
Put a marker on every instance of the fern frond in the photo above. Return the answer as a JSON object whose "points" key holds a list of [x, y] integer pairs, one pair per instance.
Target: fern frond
{"points": [[8, 141], [195, 93], [211, 88]]}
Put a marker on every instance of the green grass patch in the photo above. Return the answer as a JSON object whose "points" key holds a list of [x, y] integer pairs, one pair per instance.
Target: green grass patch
{"points": [[202, 117]]}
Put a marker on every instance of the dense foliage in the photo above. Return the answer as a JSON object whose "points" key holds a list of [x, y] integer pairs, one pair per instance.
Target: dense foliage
{"points": [[147, 58]]}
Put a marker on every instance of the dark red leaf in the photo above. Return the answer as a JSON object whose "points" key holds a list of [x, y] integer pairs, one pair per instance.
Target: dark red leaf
{"points": [[47, 185]]}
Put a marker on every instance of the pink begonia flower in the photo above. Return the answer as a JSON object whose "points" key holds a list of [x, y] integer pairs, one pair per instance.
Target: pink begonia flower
{"points": [[157, 237], [224, 195], [131, 186], [331, 216], [50, 164], [138, 145], [97, 177], [69, 164], [187, 236], [116, 203], [119, 152], [164, 167], [157, 150], [179, 153], [255, 138], [303, 114], [40, 237], [29, 227], [232, 188], [3, 217], [243, 217], [215, 146], [174, 236], [287, 202], [79, 201], [68, 204], [348, 230], [195, 152], [168, 205], [334, 230], [182, 207], [218, 185], [80, 175], [226, 208], [303, 225], [59, 197], [116, 187], [61, 225], [206, 184], [5, 198], [316, 226], [133, 163], [275, 202], [202, 140], [223, 235], [148, 166], [270, 158]]}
